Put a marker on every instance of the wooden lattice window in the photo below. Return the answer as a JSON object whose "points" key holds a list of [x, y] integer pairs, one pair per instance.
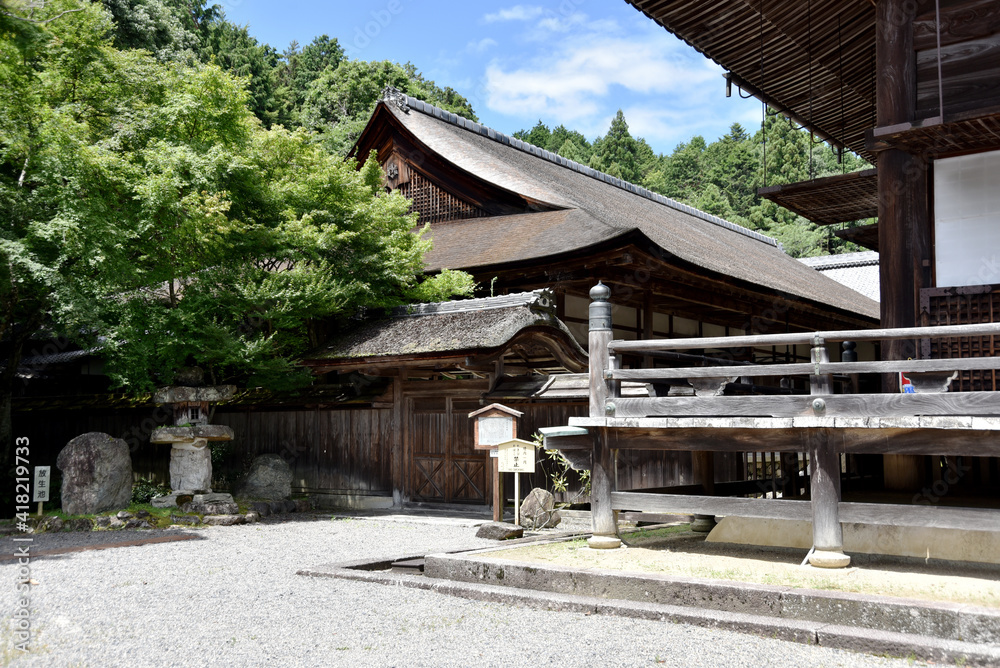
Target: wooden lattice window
{"points": [[434, 204], [962, 306]]}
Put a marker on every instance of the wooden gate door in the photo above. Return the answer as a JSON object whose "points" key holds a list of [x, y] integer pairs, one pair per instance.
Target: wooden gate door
{"points": [[445, 468]]}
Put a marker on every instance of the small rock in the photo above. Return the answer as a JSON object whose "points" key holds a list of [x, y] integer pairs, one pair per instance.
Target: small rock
{"points": [[277, 507], [81, 524], [183, 519], [102, 521], [211, 508], [499, 531], [125, 515], [142, 514], [168, 501], [116, 523], [213, 497], [54, 524], [251, 517], [262, 508], [289, 506], [137, 524], [182, 499], [303, 505], [223, 520]]}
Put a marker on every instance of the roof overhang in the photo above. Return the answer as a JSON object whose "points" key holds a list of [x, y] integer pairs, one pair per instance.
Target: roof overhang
{"points": [[829, 200], [814, 63]]}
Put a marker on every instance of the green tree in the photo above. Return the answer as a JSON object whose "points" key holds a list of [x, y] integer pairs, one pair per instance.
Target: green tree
{"points": [[617, 153], [236, 51], [144, 203], [153, 25], [341, 100], [299, 68]]}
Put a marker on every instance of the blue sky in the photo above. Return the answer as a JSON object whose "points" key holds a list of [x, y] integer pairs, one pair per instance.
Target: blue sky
{"points": [[574, 62]]}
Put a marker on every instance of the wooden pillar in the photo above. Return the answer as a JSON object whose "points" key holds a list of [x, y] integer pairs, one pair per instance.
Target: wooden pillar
{"points": [[828, 537], [903, 206], [824, 471], [703, 470], [604, 526], [400, 417], [598, 339], [498, 500]]}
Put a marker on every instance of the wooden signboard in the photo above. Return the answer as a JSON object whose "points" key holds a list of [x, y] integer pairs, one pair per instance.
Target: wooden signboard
{"points": [[517, 456], [494, 425]]}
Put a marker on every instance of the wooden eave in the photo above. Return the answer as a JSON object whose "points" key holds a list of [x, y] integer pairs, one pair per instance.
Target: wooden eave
{"points": [[815, 65], [864, 235], [829, 200], [557, 344], [963, 132], [707, 295], [385, 135]]}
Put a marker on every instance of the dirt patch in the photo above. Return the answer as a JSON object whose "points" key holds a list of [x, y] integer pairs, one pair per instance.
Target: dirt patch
{"points": [[678, 551]]}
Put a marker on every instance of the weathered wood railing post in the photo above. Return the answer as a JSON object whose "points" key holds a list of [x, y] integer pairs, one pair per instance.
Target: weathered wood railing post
{"points": [[824, 482], [605, 529]]}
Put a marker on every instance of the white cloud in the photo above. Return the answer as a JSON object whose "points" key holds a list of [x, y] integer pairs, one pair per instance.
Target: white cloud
{"points": [[515, 13], [481, 46], [569, 86]]}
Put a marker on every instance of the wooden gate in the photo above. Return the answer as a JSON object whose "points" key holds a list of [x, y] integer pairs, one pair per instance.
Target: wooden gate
{"points": [[445, 468]]}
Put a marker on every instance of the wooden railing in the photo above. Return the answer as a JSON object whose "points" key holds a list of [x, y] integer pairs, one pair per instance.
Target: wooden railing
{"points": [[823, 425]]}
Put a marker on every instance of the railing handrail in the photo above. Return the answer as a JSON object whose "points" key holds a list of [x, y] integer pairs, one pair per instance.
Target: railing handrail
{"points": [[805, 338], [808, 369]]}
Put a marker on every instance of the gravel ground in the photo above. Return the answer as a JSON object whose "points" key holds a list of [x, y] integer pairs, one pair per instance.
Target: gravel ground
{"points": [[231, 598]]}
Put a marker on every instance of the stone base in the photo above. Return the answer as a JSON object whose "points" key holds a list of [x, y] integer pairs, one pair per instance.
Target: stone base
{"points": [[825, 559], [604, 542], [188, 496], [191, 465], [918, 542], [703, 523]]}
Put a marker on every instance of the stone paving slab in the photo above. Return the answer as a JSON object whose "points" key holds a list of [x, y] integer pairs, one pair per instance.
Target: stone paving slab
{"points": [[961, 634]]}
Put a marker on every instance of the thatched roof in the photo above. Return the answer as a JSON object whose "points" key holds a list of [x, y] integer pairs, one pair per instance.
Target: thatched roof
{"points": [[587, 208], [454, 329]]}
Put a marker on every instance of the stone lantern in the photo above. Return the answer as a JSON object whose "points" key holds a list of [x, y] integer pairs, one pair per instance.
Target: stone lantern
{"points": [[190, 436]]}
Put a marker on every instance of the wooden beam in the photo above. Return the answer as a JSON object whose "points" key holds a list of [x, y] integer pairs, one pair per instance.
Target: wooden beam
{"points": [[942, 517], [780, 370], [832, 405]]}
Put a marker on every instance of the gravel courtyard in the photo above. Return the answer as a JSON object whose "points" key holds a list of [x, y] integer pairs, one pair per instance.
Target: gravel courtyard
{"points": [[231, 597]]}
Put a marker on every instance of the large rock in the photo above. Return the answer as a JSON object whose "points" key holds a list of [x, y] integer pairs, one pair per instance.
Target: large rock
{"points": [[499, 531], [270, 478], [538, 510], [96, 474]]}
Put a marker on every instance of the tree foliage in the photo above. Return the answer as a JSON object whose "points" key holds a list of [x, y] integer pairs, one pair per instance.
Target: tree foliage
{"points": [[146, 205]]}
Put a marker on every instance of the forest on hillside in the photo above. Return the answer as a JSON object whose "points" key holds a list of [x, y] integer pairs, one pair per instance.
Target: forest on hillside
{"points": [[318, 88], [721, 177]]}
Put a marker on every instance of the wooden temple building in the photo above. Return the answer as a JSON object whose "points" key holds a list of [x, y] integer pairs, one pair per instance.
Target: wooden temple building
{"points": [[523, 220], [914, 87], [387, 420]]}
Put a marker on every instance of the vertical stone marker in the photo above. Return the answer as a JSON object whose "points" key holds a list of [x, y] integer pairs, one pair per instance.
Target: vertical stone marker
{"points": [[97, 474], [189, 437]]}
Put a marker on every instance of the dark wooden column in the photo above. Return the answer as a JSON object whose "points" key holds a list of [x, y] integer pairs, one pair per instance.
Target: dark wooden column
{"points": [[903, 207], [605, 528]]}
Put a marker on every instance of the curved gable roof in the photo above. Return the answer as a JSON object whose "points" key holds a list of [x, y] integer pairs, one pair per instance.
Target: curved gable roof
{"points": [[596, 207]]}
